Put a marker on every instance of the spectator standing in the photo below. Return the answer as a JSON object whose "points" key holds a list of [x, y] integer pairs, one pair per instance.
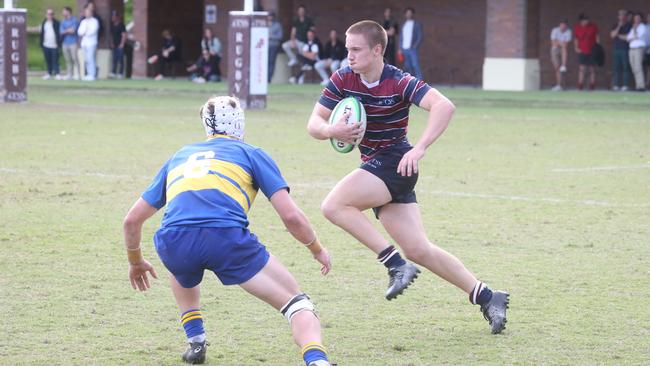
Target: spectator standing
{"points": [[586, 36], [560, 38], [50, 42], [391, 27], [333, 53], [212, 44], [636, 38], [308, 57], [275, 41], [169, 53], [118, 40], [301, 24], [621, 65], [88, 31], [68, 31], [410, 40], [646, 59]]}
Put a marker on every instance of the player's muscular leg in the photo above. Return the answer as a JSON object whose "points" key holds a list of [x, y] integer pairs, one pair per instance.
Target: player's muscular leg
{"points": [[343, 206], [276, 286], [403, 223], [186, 298]]}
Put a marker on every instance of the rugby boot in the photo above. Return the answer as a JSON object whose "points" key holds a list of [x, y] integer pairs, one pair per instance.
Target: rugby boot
{"points": [[495, 311], [195, 353], [400, 278]]}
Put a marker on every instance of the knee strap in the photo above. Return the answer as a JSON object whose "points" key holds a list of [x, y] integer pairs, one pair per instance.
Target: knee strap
{"points": [[297, 304]]}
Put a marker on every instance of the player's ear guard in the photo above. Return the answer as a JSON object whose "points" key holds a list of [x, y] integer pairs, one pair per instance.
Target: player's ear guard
{"points": [[297, 304]]}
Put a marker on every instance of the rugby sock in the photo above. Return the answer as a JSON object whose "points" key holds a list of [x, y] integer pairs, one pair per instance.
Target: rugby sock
{"points": [[192, 321], [313, 352], [481, 294], [390, 257]]}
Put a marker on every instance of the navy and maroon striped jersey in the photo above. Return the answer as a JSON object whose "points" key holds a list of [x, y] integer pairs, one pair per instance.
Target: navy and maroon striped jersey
{"points": [[387, 104]]}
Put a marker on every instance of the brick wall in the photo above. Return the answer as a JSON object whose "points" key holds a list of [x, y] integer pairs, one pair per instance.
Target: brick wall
{"points": [[454, 44]]}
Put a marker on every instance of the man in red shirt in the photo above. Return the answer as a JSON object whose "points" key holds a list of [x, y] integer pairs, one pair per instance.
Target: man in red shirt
{"points": [[585, 37]]}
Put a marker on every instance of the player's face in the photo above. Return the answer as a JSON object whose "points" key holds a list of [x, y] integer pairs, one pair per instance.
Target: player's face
{"points": [[361, 57]]}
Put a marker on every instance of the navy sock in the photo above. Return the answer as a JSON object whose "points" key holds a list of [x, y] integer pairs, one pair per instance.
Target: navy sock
{"points": [[390, 257], [481, 294]]}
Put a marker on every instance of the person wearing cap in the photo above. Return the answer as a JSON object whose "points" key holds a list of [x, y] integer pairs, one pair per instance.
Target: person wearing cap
{"points": [[208, 188], [585, 34]]}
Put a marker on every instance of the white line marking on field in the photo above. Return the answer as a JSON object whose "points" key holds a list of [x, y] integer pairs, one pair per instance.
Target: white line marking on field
{"points": [[602, 168], [68, 173], [330, 185], [533, 199]]}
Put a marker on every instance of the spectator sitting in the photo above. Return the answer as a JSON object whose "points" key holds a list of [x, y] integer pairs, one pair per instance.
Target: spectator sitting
{"points": [[169, 53], [333, 53], [298, 37], [206, 68], [213, 46], [307, 57]]}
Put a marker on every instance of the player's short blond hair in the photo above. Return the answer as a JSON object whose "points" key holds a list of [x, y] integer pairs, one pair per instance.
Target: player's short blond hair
{"points": [[373, 32]]}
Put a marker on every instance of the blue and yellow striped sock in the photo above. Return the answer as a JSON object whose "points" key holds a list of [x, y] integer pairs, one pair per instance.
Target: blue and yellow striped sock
{"points": [[192, 321], [313, 352]]}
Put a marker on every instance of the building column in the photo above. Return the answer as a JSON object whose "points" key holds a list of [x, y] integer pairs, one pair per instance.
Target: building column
{"points": [[511, 45]]}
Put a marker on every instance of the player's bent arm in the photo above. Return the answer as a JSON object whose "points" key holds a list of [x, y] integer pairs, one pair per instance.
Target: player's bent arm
{"points": [[440, 110], [298, 225], [292, 216], [138, 266], [318, 127], [133, 221]]}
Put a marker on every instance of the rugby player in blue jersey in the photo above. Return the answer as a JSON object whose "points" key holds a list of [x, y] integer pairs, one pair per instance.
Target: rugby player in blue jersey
{"points": [[386, 179], [208, 188]]}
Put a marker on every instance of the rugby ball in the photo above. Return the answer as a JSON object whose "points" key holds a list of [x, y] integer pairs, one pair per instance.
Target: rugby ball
{"points": [[357, 114]]}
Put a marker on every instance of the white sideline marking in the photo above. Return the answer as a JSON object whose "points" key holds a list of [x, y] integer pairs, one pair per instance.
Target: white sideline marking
{"points": [[326, 185], [602, 168], [68, 173], [533, 199], [330, 185]]}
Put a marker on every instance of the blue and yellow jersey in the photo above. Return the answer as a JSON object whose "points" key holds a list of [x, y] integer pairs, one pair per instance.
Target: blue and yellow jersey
{"points": [[213, 183]]}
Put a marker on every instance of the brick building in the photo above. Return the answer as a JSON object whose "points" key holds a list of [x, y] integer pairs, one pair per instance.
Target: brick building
{"points": [[462, 39]]}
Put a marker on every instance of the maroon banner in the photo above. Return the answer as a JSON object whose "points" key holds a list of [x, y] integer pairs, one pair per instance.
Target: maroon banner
{"points": [[13, 55]]}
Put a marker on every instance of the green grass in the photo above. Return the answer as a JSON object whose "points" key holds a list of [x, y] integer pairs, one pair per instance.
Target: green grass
{"points": [[504, 189]]}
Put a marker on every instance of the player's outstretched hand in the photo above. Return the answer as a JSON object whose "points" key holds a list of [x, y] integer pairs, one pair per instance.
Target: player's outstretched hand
{"points": [[347, 133], [323, 257], [138, 275], [409, 163]]}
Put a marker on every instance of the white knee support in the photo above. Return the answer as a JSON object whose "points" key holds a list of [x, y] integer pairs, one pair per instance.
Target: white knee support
{"points": [[297, 304]]}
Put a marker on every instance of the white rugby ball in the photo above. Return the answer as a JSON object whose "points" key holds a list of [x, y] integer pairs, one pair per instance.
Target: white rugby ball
{"points": [[357, 114]]}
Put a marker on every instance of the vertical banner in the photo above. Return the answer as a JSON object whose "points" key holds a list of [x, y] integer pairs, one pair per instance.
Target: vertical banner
{"points": [[13, 55], [248, 38]]}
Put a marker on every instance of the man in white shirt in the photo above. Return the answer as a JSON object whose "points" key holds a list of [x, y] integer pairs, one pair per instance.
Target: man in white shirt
{"points": [[50, 42], [410, 39], [560, 38], [89, 31], [637, 37]]}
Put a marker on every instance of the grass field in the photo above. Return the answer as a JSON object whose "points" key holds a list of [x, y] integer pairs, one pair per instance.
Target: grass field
{"points": [[546, 195]]}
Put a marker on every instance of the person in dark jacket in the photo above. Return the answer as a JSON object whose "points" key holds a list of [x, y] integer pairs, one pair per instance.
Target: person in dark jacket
{"points": [[169, 53], [206, 68], [333, 53], [50, 41]]}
